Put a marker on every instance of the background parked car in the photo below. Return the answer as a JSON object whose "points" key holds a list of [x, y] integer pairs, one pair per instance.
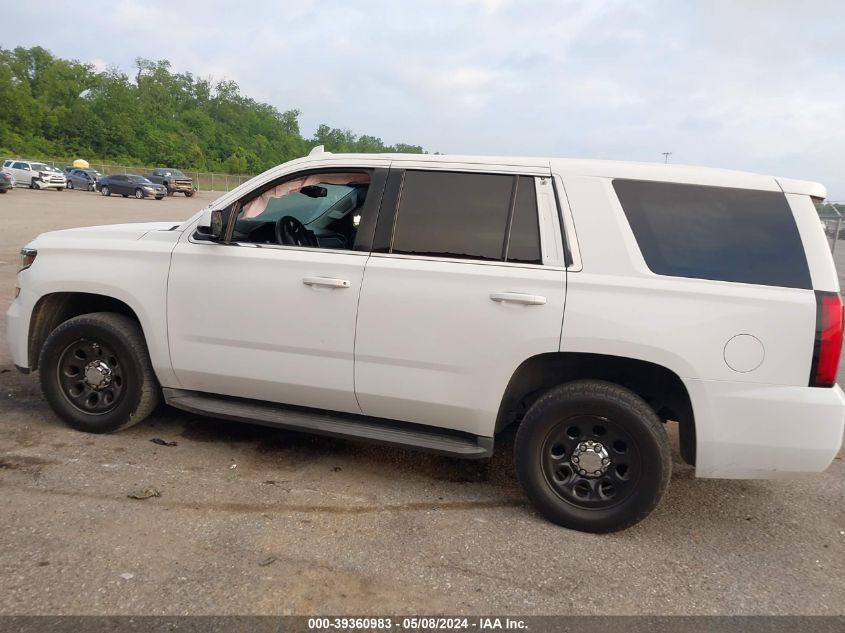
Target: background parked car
{"points": [[173, 179], [82, 178], [34, 174], [130, 185], [7, 182]]}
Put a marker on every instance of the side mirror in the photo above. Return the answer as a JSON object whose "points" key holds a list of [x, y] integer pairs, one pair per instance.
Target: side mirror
{"points": [[211, 224]]}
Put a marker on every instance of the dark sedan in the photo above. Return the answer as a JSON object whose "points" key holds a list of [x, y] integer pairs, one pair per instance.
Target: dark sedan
{"points": [[130, 185], [82, 178]]}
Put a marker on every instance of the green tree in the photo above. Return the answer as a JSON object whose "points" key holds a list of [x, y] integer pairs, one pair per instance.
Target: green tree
{"points": [[54, 108]]}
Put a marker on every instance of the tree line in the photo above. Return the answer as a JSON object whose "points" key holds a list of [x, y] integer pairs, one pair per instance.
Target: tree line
{"points": [[58, 108]]}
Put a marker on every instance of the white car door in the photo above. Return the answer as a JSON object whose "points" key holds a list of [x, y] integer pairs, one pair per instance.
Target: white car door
{"points": [[470, 282], [256, 319], [22, 172]]}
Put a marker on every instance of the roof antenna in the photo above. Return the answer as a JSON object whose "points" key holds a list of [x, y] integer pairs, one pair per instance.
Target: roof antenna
{"points": [[666, 156]]}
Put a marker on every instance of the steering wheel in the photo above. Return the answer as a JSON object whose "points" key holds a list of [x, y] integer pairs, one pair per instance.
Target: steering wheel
{"points": [[292, 232]]}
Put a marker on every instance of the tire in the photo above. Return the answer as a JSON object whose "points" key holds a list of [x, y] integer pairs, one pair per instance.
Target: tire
{"points": [[60, 188], [104, 190], [92, 187], [32, 184], [628, 449], [70, 184], [114, 340], [139, 194], [125, 195], [159, 197], [188, 194], [3, 190]]}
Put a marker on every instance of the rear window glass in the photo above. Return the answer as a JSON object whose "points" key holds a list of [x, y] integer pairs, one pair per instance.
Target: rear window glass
{"points": [[451, 214], [719, 233]]}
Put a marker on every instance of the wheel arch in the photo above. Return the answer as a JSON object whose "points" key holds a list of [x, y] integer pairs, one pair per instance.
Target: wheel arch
{"points": [[57, 307], [659, 386]]}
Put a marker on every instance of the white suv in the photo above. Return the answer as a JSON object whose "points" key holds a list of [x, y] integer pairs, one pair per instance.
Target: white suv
{"points": [[433, 301], [35, 174]]}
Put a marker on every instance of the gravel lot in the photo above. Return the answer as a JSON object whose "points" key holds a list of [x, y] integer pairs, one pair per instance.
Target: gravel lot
{"points": [[259, 521]]}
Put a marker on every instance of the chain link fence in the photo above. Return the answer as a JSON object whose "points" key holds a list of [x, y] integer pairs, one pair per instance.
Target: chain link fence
{"points": [[832, 217], [203, 180]]}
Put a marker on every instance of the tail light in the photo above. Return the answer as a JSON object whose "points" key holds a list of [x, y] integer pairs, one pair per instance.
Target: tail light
{"points": [[829, 323]]}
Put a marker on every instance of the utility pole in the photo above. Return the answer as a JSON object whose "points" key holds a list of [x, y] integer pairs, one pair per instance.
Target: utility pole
{"points": [[666, 156]]}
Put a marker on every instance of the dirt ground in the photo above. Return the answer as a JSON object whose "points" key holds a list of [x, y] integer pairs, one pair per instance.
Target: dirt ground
{"points": [[259, 521]]}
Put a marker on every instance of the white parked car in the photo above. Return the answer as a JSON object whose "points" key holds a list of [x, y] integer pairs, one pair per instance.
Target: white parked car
{"points": [[35, 174], [433, 301]]}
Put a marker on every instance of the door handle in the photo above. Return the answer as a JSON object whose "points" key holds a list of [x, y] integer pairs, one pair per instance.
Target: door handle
{"points": [[518, 297], [327, 282]]}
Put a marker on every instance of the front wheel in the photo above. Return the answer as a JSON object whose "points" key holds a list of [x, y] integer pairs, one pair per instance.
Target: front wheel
{"points": [[139, 194], [104, 191], [70, 184], [188, 194], [96, 373], [593, 456]]}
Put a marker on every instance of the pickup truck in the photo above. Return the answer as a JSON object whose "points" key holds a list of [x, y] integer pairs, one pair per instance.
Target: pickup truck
{"points": [[174, 180], [432, 302]]}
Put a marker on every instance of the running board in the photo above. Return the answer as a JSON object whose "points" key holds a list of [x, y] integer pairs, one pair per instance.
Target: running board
{"points": [[342, 425]]}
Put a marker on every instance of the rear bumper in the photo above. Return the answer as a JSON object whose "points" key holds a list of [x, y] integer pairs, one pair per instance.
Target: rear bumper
{"points": [[754, 431]]}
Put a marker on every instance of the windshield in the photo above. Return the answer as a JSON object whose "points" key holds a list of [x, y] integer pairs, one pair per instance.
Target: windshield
{"points": [[38, 167]]}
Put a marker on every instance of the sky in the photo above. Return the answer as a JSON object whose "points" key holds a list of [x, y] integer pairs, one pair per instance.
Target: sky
{"points": [[757, 85]]}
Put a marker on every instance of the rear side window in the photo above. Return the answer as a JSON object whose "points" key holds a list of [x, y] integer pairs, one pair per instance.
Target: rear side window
{"points": [[467, 216], [719, 233]]}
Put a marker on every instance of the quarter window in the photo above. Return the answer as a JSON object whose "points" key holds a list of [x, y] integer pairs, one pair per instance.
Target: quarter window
{"points": [[720, 233], [524, 239]]}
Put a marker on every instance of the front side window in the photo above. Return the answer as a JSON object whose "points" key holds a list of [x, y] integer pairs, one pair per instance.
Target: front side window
{"points": [[318, 210], [21, 166], [475, 216], [720, 233]]}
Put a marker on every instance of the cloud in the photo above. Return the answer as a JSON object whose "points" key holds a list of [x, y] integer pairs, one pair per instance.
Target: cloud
{"points": [[751, 85]]}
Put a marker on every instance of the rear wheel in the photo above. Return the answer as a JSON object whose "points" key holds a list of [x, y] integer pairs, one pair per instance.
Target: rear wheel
{"points": [[593, 456], [104, 190], [96, 373]]}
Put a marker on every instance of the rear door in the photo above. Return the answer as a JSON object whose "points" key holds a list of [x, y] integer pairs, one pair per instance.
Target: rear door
{"points": [[466, 281]]}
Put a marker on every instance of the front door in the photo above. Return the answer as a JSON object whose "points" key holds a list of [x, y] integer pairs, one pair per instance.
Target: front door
{"points": [[270, 315]]}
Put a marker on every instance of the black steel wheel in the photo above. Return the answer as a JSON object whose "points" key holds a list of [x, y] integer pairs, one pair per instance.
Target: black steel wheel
{"points": [[591, 461], [96, 373], [90, 376], [593, 456]]}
